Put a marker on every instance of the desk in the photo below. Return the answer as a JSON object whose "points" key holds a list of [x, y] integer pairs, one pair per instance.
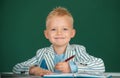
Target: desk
{"points": [[11, 75]]}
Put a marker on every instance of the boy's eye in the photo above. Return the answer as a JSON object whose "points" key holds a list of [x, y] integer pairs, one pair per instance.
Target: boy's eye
{"points": [[53, 29], [65, 29]]}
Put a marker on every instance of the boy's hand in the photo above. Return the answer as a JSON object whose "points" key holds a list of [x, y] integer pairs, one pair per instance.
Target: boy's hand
{"points": [[38, 71], [63, 67]]}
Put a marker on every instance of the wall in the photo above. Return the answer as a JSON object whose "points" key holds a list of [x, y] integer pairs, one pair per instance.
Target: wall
{"points": [[22, 24]]}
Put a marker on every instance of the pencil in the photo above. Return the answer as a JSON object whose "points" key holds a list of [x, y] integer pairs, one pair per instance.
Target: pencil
{"points": [[69, 58]]}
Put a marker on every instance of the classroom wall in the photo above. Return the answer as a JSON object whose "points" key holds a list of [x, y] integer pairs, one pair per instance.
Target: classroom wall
{"points": [[22, 23]]}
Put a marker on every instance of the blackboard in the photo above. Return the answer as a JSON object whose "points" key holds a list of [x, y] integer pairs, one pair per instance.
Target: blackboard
{"points": [[22, 24]]}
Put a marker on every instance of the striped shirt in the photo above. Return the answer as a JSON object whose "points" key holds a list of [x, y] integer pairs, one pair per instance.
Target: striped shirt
{"points": [[83, 61]]}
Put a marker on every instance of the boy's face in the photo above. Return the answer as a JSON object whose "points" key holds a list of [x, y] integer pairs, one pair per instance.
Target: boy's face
{"points": [[59, 30]]}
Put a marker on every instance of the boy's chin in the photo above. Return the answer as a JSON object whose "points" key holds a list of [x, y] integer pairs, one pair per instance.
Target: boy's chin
{"points": [[59, 45]]}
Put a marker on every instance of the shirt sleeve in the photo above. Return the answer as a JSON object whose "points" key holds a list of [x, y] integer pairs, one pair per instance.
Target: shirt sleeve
{"points": [[24, 66], [73, 67], [88, 63]]}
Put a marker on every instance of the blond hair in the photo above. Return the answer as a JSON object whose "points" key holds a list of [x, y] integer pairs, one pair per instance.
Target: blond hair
{"points": [[59, 11]]}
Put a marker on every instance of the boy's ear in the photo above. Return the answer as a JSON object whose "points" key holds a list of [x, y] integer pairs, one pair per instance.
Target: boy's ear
{"points": [[73, 33], [46, 34]]}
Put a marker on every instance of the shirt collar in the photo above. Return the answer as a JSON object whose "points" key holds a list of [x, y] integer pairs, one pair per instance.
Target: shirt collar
{"points": [[51, 49]]}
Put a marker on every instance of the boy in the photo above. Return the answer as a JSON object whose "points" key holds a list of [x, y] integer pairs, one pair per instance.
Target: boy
{"points": [[59, 31]]}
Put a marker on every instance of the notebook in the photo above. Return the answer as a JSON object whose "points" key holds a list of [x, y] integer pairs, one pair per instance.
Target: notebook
{"points": [[76, 75]]}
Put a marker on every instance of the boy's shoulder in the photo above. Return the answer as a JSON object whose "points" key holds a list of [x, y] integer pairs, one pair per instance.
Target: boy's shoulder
{"points": [[77, 46], [45, 49]]}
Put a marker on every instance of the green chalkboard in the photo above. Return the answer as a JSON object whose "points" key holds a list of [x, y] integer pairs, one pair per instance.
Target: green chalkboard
{"points": [[22, 23]]}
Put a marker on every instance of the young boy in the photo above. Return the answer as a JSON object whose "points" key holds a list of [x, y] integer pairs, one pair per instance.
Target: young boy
{"points": [[59, 31]]}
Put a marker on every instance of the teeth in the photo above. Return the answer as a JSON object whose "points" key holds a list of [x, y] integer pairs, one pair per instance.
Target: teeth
{"points": [[59, 38]]}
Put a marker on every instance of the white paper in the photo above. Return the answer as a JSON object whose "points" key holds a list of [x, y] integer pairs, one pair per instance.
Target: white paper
{"points": [[76, 75], [60, 75]]}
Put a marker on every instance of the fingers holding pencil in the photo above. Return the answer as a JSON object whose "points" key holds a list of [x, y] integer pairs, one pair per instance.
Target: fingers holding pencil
{"points": [[63, 67]]}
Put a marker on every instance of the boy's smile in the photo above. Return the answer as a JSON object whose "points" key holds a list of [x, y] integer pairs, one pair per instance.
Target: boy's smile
{"points": [[59, 30], [59, 37]]}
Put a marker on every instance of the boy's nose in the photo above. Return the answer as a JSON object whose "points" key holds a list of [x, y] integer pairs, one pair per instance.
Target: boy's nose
{"points": [[59, 32]]}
